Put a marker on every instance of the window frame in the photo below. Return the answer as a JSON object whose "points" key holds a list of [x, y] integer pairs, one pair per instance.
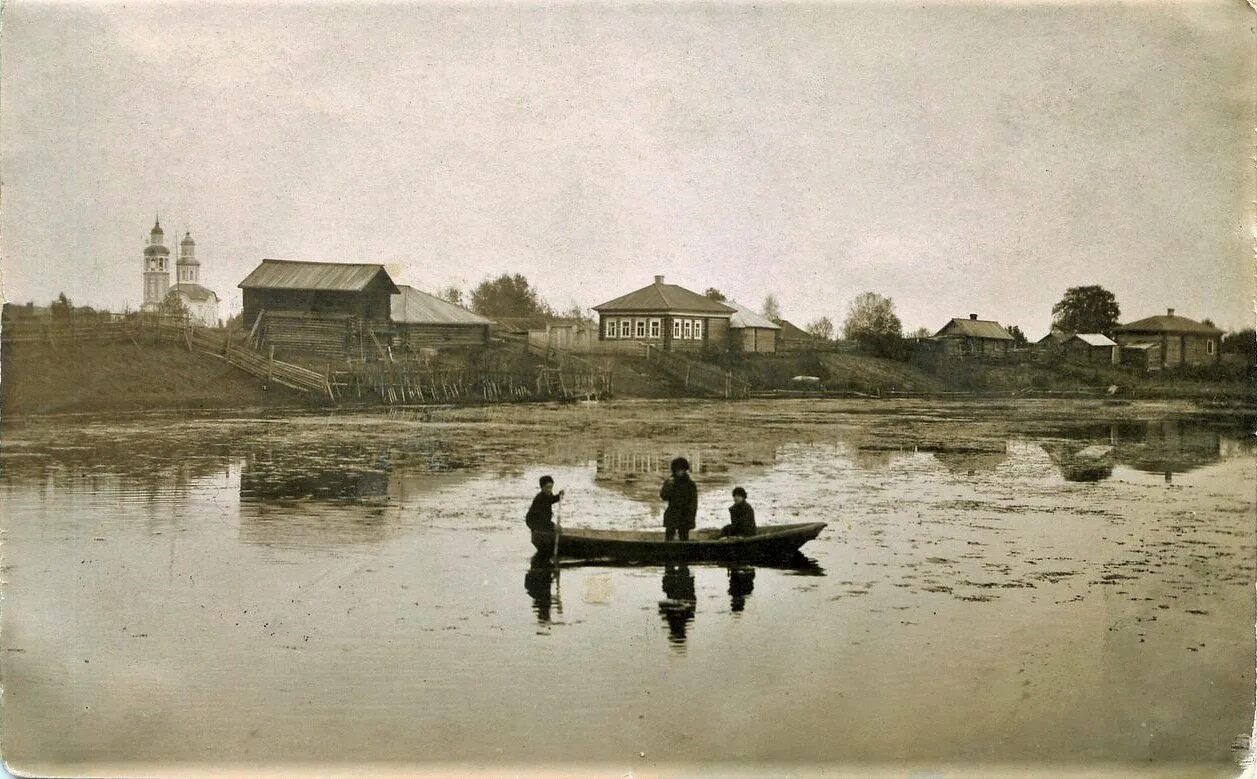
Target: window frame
{"points": [[626, 328], [656, 327], [698, 329], [639, 328], [676, 327], [687, 330], [610, 328]]}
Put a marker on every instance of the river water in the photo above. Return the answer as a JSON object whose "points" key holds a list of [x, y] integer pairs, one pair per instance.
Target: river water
{"points": [[1034, 583]]}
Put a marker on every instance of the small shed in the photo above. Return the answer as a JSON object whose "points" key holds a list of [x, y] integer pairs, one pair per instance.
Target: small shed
{"points": [[1141, 356], [792, 338], [1090, 348], [973, 338], [421, 320], [751, 332], [1053, 341]]}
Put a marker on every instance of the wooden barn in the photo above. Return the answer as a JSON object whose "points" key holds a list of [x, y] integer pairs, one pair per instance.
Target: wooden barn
{"points": [[1182, 341], [664, 315], [792, 338], [328, 308], [750, 332], [422, 321], [1094, 348], [972, 338]]}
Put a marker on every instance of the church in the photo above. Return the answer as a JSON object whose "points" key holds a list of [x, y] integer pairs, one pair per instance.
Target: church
{"points": [[202, 303]]}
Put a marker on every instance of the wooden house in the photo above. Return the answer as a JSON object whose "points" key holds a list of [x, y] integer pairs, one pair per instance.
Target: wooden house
{"points": [[792, 338], [972, 338], [1053, 341], [751, 332], [421, 321], [328, 308], [1094, 348], [665, 315], [1181, 341]]}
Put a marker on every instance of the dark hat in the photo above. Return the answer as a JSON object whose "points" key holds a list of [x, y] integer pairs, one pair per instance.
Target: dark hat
{"points": [[739, 491], [680, 464]]}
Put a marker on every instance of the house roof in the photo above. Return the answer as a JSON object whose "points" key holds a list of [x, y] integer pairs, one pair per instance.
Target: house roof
{"points": [[413, 306], [791, 330], [327, 276], [975, 328], [744, 317], [1167, 323], [194, 291], [1056, 336], [1093, 339], [664, 297]]}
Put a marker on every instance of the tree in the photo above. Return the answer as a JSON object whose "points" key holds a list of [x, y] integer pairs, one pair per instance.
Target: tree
{"points": [[451, 294], [1086, 310], [61, 308], [922, 332], [1243, 343], [872, 323], [172, 306], [822, 328], [508, 296], [1019, 338], [714, 294], [771, 309], [574, 311]]}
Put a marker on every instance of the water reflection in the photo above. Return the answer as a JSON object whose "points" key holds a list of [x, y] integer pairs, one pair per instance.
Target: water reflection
{"points": [[331, 475], [741, 584], [539, 583], [1163, 446], [680, 603]]}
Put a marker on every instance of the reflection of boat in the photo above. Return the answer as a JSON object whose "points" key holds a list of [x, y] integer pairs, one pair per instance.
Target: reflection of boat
{"points": [[770, 542]]}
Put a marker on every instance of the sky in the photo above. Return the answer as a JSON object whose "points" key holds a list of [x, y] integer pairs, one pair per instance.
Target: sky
{"points": [[958, 158]]}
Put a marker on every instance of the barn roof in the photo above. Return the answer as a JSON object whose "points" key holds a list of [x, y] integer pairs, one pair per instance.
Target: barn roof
{"points": [[744, 317], [194, 291], [327, 276], [1167, 323], [413, 306], [1094, 339], [664, 297], [1054, 337], [791, 330], [975, 328]]}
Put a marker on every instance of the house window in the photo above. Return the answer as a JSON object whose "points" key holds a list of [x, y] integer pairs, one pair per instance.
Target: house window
{"points": [[626, 328], [1210, 346], [676, 328], [655, 326], [611, 328], [698, 329], [688, 329], [640, 328]]}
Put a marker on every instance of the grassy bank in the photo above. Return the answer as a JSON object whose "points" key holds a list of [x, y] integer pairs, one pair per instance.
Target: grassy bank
{"points": [[40, 378]]}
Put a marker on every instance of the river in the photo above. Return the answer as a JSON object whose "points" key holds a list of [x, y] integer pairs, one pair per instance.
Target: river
{"points": [[1034, 583]]}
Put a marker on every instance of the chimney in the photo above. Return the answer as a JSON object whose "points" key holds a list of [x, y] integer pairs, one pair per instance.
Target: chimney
{"points": [[659, 279], [974, 317], [1169, 312]]}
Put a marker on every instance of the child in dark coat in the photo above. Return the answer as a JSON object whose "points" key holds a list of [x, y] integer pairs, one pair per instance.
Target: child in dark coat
{"points": [[742, 516], [540, 515]]}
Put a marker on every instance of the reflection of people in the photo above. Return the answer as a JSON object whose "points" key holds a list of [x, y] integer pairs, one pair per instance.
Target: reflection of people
{"points": [[681, 494], [678, 609], [741, 584], [741, 516], [540, 515], [537, 584]]}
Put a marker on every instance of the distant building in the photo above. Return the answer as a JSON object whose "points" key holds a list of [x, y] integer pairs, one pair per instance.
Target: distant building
{"points": [[668, 316], [750, 332], [421, 320], [330, 308], [201, 302], [792, 338], [972, 337], [1180, 341], [1090, 348], [1052, 341]]}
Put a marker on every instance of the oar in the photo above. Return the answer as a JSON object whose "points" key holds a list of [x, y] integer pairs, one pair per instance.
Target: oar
{"points": [[558, 524]]}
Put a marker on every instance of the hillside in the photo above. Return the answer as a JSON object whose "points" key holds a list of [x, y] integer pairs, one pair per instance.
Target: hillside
{"points": [[38, 378]]}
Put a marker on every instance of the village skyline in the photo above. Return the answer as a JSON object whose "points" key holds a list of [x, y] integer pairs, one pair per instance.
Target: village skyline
{"points": [[752, 150]]}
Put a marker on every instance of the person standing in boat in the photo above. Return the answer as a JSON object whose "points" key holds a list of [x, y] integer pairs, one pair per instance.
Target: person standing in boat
{"points": [[681, 494], [540, 517], [741, 516]]}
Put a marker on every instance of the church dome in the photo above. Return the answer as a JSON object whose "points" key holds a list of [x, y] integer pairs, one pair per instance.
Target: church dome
{"points": [[187, 240], [156, 250]]}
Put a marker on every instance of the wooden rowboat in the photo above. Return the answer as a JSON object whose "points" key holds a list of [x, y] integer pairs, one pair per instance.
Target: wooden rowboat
{"points": [[769, 542]]}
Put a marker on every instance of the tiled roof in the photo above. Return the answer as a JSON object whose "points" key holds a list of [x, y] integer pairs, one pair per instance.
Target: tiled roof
{"points": [[663, 298], [328, 276], [413, 306]]}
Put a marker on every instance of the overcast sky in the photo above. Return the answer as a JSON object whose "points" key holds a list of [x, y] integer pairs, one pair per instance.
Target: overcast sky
{"points": [[957, 158]]}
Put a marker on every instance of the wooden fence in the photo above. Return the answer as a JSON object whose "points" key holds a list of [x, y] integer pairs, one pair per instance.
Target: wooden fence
{"points": [[705, 378]]}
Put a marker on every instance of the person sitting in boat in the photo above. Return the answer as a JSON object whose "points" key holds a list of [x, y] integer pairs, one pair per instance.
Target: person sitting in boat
{"points": [[681, 494], [540, 517], [741, 516]]}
